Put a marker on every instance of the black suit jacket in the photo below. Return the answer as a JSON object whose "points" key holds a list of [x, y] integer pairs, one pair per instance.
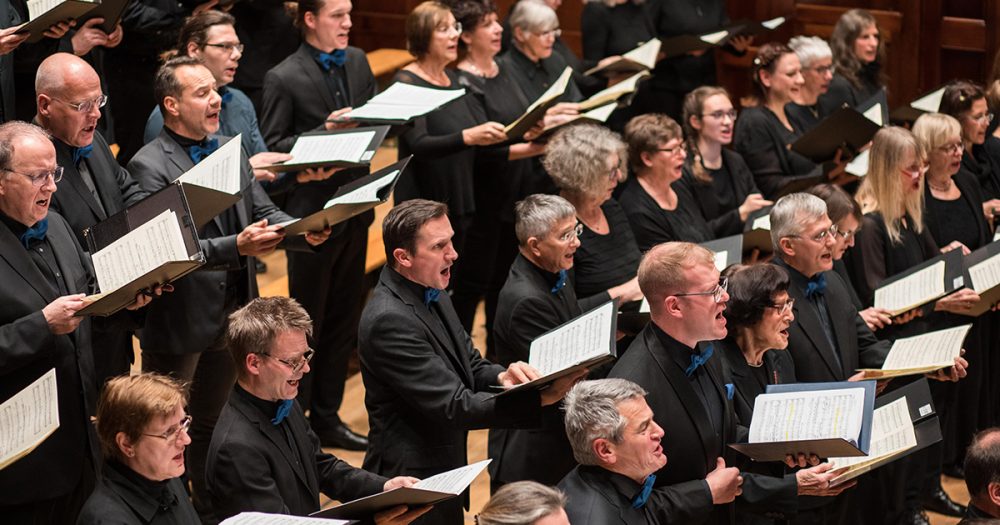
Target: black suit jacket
{"points": [[595, 496], [118, 499], [190, 319], [778, 364], [28, 350], [691, 444], [252, 467], [9, 17]]}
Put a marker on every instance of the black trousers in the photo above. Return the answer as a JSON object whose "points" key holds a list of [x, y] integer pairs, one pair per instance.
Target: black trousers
{"points": [[54, 511]]}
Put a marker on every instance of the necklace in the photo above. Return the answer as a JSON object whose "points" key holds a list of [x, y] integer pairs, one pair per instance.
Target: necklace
{"points": [[945, 188], [475, 70]]}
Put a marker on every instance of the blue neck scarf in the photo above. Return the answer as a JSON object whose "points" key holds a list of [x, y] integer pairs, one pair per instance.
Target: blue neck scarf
{"points": [[284, 407], [200, 151], [83, 152], [816, 286], [431, 295], [328, 60], [639, 500], [36, 232], [560, 282], [698, 360]]}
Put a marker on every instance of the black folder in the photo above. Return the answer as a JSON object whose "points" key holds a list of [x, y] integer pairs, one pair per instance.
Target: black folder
{"points": [[64, 12], [110, 10], [909, 113], [880, 99], [954, 277], [991, 296], [373, 145], [684, 44], [111, 229], [845, 127], [341, 212], [732, 245], [757, 238], [535, 112]]}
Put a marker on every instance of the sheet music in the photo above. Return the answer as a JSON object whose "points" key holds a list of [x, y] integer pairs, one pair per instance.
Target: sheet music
{"points": [[773, 23], [985, 274], [614, 92], [454, 481], [644, 306], [762, 223], [366, 193], [583, 338], [327, 148], [261, 518], [140, 251], [818, 414], [919, 288], [859, 164], [930, 103], [645, 54], [219, 171], [37, 8], [721, 260], [892, 432], [874, 114], [28, 417], [402, 101], [938, 348], [714, 38]]}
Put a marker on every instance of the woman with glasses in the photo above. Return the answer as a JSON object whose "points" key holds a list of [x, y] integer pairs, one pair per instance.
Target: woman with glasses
{"points": [[143, 431], [817, 71], [716, 176], [585, 161], [966, 102], [764, 133], [658, 207], [530, 60], [858, 55]]}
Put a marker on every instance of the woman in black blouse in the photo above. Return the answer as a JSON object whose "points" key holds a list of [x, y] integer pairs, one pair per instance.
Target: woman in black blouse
{"points": [[659, 209], [764, 133], [858, 55], [586, 162], [966, 102], [816, 59], [717, 177], [530, 59]]}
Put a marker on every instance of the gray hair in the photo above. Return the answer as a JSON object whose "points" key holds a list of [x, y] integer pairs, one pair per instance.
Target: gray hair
{"points": [[533, 15], [592, 413], [12, 131], [791, 212], [612, 3], [521, 503], [576, 158], [810, 49], [538, 213]]}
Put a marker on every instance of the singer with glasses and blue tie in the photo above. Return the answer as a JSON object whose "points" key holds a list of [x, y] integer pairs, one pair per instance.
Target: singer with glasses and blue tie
{"points": [[182, 335]]}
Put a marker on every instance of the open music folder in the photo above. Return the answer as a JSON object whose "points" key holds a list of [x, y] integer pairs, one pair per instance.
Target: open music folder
{"points": [[845, 128], [826, 419], [597, 115], [583, 342], [28, 418], [684, 44], [337, 148], [982, 273], [614, 93], [42, 14], [536, 111], [402, 102], [641, 58], [263, 518], [427, 491], [757, 231], [921, 354], [921, 285], [351, 199], [152, 242]]}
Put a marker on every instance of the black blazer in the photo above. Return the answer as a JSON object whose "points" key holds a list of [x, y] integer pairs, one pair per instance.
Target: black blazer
{"points": [[815, 360], [763, 142], [118, 499], [9, 17], [73, 200], [779, 366], [722, 221], [973, 197], [190, 319], [691, 444], [251, 466], [595, 496], [28, 350]]}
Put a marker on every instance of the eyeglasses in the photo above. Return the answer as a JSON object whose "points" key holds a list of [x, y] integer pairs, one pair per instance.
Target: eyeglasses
{"points": [[39, 179], [821, 70], [819, 237], [554, 33], [615, 173], [915, 171], [444, 28], [676, 150], [953, 148], [572, 234], [981, 119], [174, 433], [721, 114], [228, 46], [716, 292], [294, 365], [845, 234], [785, 307], [87, 105]]}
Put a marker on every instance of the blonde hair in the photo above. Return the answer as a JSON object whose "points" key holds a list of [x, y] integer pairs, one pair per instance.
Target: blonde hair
{"points": [[881, 191], [933, 130], [521, 503], [128, 404], [661, 271]]}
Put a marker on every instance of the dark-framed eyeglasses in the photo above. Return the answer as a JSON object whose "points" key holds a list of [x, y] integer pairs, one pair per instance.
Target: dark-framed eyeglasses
{"points": [[572, 234], [785, 307], [294, 365], [87, 105], [716, 292], [39, 179], [554, 33], [821, 70], [228, 46], [721, 114], [174, 433]]}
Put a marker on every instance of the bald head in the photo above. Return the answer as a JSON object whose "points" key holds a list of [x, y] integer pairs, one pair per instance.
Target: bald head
{"points": [[62, 71], [68, 97]]}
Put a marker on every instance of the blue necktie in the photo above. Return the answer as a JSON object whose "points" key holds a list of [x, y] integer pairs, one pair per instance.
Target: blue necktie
{"points": [[328, 60], [284, 407], [431, 296], [698, 360], [200, 151], [647, 487], [816, 286], [226, 95], [35, 232], [560, 282], [83, 152]]}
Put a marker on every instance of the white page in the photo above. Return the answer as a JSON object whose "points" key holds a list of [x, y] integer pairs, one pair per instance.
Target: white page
{"points": [[555, 90], [921, 287], [28, 417], [874, 114], [328, 148], [453, 481], [819, 414], [140, 251], [616, 91], [721, 260], [892, 432], [938, 348], [859, 164], [985, 274], [644, 307], [219, 171], [714, 38], [645, 54], [601, 113], [37, 8], [366, 193], [762, 223], [583, 338], [930, 103], [389, 111], [402, 101], [773, 23], [260, 518]]}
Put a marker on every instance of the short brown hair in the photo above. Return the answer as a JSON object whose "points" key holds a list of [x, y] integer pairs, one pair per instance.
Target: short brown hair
{"points": [[645, 134], [767, 59], [839, 203], [195, 28], [128, 404], [401, 224], [253, 328], [421, 24], [165, 84], [661, 271], [958, 97]]}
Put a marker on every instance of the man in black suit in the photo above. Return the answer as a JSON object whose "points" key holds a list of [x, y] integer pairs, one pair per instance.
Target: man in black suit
{"points": [[94, 185], [45, 275], [263, 456], [426, 385], [319, 82], [982, 475], [182, 334]]}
